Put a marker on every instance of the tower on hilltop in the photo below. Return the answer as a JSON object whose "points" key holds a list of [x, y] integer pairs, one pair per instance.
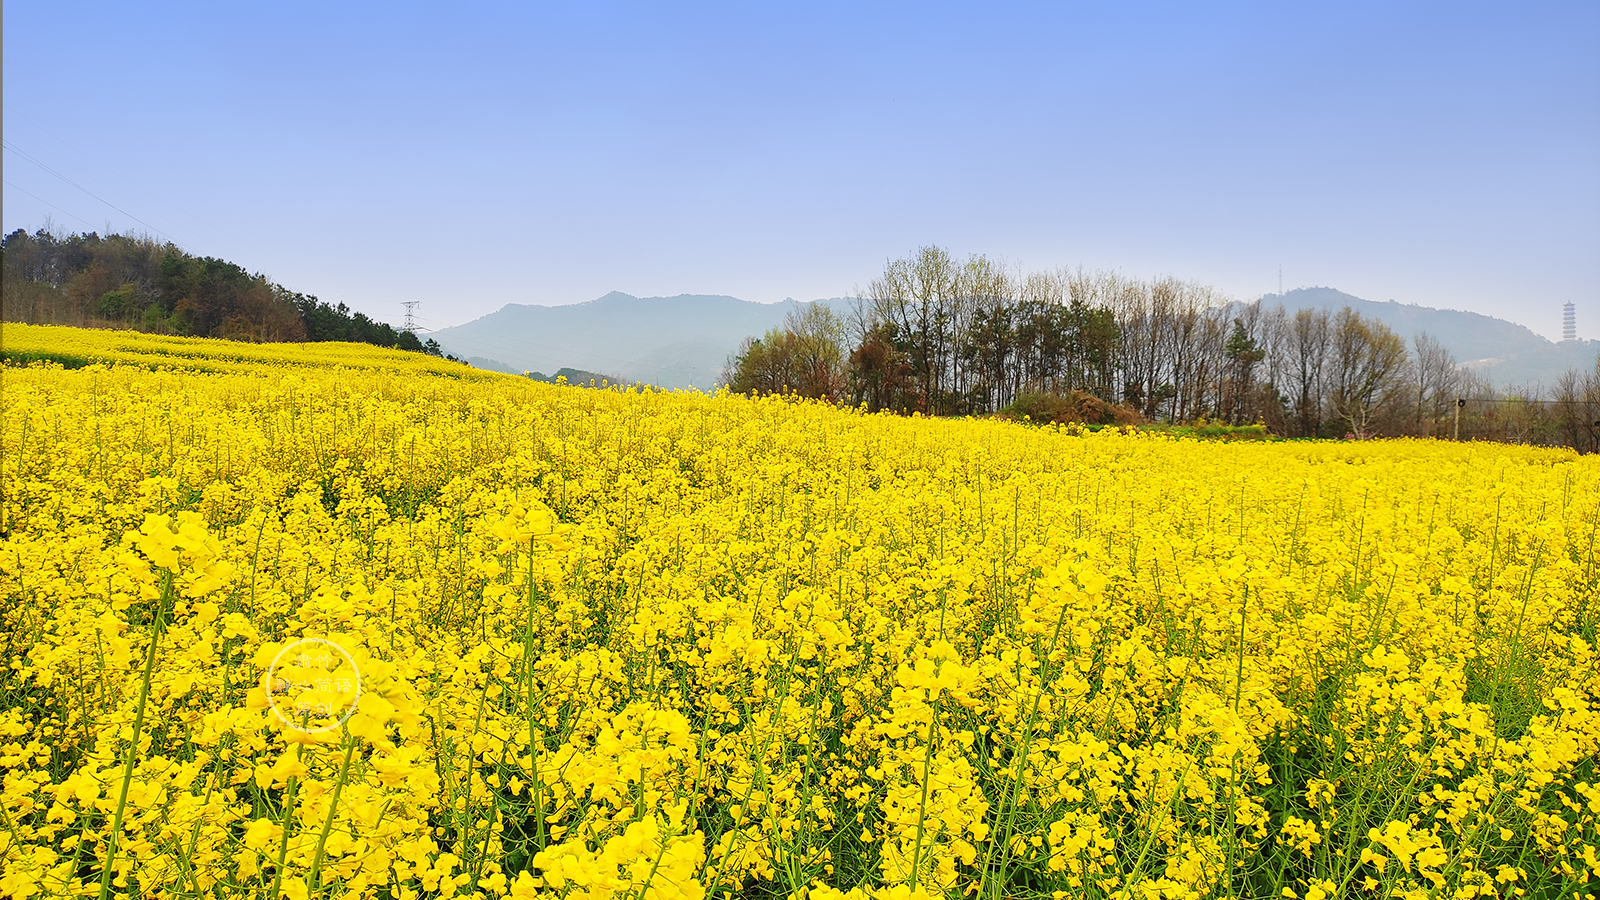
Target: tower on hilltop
{"points": [[1569, 323]]}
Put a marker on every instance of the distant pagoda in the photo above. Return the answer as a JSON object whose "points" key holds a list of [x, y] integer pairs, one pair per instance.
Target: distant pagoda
{"points": [[1569, 323]]}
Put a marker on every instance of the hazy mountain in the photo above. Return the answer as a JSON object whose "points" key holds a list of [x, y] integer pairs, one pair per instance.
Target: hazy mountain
{"points": [[673, 342], [683, 341], [1507, 353], [493, 365]]}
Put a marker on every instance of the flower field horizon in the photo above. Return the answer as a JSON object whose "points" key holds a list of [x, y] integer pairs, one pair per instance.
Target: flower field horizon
{"points": [[295, 621]]}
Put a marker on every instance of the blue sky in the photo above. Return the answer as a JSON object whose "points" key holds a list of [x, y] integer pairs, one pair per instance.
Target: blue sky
{"points": [[471, 155]]}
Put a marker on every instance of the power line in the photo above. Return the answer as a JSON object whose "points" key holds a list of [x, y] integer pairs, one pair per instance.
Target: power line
{"points": [[122, 178], [29, 157], [1508, 400], [480, 345], [158, 231], [46, 202], [521, 345]]}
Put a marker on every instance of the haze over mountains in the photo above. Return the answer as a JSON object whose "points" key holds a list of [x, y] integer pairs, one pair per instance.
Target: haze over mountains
{"points": [[1508, 354], [673, 342], [684, 341]]}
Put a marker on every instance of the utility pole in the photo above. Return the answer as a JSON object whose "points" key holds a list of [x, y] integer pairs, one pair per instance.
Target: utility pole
{"points": [[1455, 430], [411, 315]]}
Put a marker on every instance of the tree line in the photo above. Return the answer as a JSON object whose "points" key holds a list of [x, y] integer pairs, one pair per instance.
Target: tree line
{"points": [[941, 336], [134, 281]]}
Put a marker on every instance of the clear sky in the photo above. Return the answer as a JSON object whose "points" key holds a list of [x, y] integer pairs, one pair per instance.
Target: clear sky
{"points": [[470, 155]]}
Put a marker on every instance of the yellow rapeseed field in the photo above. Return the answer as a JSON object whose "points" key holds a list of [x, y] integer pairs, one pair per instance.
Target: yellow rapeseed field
{"points": [[333, 621]]}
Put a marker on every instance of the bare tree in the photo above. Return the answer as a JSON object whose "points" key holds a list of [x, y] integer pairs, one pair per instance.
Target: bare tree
{"points": [[1308, 341], [1577, 409], [1275, 331], [1435, 381], [983, 335], [1367, 368], [916, 296]]}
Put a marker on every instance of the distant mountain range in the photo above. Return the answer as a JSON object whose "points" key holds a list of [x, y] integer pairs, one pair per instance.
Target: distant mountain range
{"points": [[1508, 354], [671, 342], [684, 341]]}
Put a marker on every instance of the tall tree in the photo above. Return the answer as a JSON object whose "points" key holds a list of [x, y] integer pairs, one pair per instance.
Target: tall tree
{"points": [[1308, 343], [804, 356], [1367, 365], [1435, 378], [879, 373], [1244, 355]]}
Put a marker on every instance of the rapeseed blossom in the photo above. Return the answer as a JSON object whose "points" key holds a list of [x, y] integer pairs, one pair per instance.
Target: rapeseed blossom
{"points": [[326, 621]]}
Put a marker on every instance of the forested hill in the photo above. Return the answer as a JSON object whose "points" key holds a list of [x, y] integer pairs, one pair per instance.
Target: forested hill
{"points": [[130, 281]]}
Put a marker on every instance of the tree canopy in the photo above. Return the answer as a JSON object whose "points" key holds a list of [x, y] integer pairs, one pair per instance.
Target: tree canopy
{"points": [[944, 336]]}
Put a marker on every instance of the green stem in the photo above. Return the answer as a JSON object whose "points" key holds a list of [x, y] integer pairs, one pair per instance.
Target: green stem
{"points": [[288, 821], [138, 728], [333, 807], [999, 842], [1244, 625], [194, 833], [534, 739], [16, 840], [922, 812]]}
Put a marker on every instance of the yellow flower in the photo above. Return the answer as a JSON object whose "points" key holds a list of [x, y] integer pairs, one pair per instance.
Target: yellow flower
{"points": [[158, 542], [261, 834], [765, 638]]}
